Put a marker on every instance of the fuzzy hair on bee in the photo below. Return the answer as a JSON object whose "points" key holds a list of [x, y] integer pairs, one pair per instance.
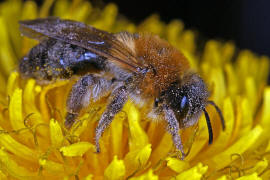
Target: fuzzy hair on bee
{"points": [[141, 67]]}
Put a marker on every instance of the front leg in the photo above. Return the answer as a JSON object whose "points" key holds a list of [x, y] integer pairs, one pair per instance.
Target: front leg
{"points": [[173, 129], [119, 97]]}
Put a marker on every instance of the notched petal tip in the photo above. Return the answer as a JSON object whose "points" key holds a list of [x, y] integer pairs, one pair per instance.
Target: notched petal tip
{"points": [[77, 149], [115, 170]]}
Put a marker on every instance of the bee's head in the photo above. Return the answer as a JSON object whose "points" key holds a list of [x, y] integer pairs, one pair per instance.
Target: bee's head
{"points": [[187, 99]]}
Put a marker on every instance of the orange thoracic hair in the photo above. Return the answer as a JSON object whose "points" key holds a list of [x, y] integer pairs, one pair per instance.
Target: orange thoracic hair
{"points": [[167, 63]]}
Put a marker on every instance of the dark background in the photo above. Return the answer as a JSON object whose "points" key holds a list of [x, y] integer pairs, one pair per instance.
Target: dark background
{"points": [[246, 22]]}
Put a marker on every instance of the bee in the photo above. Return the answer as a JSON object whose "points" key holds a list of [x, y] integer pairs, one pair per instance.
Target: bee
{"points": [[122, 66]]}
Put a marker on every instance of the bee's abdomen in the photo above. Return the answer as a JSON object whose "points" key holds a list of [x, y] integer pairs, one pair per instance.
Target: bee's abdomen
{"points": [[52, 59]]}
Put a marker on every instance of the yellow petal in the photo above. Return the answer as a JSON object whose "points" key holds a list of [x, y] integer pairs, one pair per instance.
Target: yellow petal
{"points": [[16, 113], [60, 8], [117, 134], [246, 116], [232, 85], [146, 176], [199, 142], [29, 97], [45, 111], [144, 154], [195, 173], [11, 12], [163, 148], [3, 82], [265, 110], [251, 93], [267, 149], [264, 120], [228, 51], [29, 10], [253, 176], [138, 137], [152, 24], [115, 170], [259, 167], [77, 149], [262, 75], [177, 165], [88, 177], [2, 175], [12, 82], [187, 40], [107, 18], [45, 8], [174, 29], [15, 110], [217, 80], [7, 63], [137, 159], [80, 13], [17, 148], [56, 134], [52, 167], [12, 168], [244, 143], [222, 178], [222, 140]]}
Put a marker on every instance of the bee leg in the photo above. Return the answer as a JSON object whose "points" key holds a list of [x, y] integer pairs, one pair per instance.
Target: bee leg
{"points": [[173, 129], [119, 97], [86, 88]]}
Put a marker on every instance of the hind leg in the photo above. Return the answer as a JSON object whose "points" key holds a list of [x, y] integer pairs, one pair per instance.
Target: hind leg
{"points": [[86, 88]]}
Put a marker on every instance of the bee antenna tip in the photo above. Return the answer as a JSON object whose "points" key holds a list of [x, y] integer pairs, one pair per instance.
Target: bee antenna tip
{"points": [[219, 112]]}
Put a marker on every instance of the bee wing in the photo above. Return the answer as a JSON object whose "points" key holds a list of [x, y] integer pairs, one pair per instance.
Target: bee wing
{"points": [[100, 42]]}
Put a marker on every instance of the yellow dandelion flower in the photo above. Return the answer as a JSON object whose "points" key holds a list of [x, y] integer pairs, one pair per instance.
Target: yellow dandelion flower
{"points": [[35, 145]]}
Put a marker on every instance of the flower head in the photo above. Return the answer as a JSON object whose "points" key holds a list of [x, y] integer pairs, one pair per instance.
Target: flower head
{"points": [[35, 145]]}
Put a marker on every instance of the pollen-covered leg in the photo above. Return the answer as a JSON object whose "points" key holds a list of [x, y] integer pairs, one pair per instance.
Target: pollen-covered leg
{"points": [[86, 88], [173, 129], [119, 97]]}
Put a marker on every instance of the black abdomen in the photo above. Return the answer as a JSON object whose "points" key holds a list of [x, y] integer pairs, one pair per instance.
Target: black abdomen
{"points": [[53, 59]]}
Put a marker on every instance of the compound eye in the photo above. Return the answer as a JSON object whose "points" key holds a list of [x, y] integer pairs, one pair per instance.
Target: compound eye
{"points": [[184, 104]]}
